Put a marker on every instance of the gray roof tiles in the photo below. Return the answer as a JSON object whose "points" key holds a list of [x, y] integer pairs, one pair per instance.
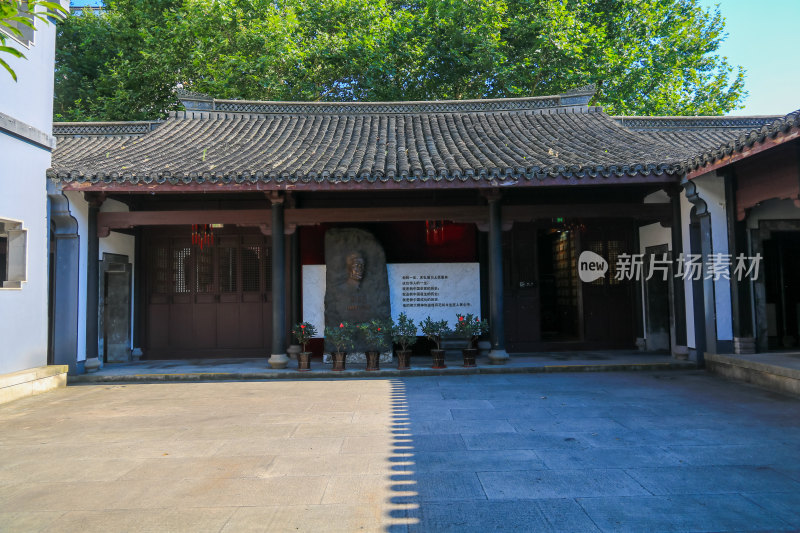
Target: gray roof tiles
{"points": [[308, 143]]}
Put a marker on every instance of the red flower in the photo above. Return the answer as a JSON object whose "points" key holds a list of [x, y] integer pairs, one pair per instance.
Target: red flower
{"points": [[379, 329], [461, 319], [302, 326], [341, 325]]}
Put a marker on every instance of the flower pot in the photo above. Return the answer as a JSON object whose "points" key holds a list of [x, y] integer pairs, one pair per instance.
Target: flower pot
{"points": [[438, 358], [372, 360], [339, 359], [304, 361], [469, 356], [403, 359]]}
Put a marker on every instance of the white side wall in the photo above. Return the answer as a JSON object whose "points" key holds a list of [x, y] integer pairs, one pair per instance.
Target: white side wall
{"points": [[23, 312], [23, 197], [115, 243], [712, 190], [30, 98], [772, 210], [651, 235]]}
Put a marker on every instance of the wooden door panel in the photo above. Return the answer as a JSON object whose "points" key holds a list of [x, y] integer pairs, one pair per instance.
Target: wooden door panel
{"points": [[250, 328], [181, 320], [158, 324], [210, 302]]}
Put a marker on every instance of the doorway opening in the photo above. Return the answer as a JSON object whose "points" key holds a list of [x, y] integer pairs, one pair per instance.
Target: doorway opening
{"points": [[782, 280]]}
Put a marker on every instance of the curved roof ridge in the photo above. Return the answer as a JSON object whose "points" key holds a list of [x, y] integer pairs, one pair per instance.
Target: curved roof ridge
{"points": [[576, 98], [783, 126], [673, 123]]}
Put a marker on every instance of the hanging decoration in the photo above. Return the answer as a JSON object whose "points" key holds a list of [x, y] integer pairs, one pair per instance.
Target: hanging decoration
{"points": [[439, 232], [202, 235], [434, 232]]}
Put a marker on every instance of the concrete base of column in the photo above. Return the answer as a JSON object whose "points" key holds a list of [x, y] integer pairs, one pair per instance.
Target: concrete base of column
{"points": [[92, 365], [278, 360], [498, 357]]}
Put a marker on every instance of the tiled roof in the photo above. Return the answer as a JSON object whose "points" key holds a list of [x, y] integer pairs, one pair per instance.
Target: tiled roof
{"points": [[504, 140], [780, 126]]}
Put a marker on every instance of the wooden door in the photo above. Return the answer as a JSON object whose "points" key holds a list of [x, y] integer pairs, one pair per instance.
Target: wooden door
{"points": [[521, 287], [608, 304], [210, 302]]}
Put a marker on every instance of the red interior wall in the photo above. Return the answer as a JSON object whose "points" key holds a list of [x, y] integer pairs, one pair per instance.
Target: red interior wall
{"points": [[403, 242]]}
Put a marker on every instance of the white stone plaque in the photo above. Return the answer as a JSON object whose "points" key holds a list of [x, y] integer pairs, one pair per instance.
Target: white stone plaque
{"points": [[313, 281], [438, 290]]}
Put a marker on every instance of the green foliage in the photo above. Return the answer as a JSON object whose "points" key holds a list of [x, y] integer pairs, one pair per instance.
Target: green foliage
{"points": [[17, 13], [375, 333], [644, 56], [434, 330], [304, 332], [404, 332], [341, 336], [470, 327]]}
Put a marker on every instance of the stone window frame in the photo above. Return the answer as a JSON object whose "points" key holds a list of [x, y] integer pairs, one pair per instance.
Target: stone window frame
{"points": [[28, 33], [16, 241]]}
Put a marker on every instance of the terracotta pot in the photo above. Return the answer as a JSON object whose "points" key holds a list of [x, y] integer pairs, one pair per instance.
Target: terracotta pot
{"points": [[403, 359], [469, 356], [304, 361], [438, 358], [339, 360], [373, 360]]}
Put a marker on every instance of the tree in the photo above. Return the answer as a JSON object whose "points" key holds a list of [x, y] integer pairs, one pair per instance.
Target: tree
{"points": [[644, 56], [18, 17]]}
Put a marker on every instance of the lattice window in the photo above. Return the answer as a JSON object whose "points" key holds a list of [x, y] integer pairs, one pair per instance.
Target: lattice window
{"points": [[614, 249], [227, 269], [181, 269], [251, 272], [204, 270], [161, 269]]}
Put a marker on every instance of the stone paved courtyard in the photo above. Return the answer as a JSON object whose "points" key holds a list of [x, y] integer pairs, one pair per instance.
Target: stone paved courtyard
{"points": [[635, 451]]}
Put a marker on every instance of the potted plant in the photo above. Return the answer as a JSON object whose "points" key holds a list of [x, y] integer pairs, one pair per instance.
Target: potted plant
{"points": [[374, 333], [404, 333], [469, 328], [303, 333], [434, 330], [342, 338]]}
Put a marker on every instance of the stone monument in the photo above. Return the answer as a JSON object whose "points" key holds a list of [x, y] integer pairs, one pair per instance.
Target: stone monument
{"points": [[357, 285]]}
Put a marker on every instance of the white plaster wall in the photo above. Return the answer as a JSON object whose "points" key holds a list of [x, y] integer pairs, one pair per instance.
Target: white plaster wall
{"points": [[115, 243], [772, 210], [30, 98], [712, 190], [651, 235], [23, 197], [688, 292]]}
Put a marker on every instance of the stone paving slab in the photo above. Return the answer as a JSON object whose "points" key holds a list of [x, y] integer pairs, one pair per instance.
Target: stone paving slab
{"points": [[633, 451]]}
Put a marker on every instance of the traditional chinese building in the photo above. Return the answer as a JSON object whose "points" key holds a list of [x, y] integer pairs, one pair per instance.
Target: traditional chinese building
{"points": [[519, 186]]}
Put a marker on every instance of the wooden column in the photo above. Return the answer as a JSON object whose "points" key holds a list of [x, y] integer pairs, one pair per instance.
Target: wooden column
{"points": [[498, 354], [278, 358], [92, 283], [741, 309]]}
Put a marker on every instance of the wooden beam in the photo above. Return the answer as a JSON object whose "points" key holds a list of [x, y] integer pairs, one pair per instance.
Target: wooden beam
{"points": [[309, 217], [377, 187]]}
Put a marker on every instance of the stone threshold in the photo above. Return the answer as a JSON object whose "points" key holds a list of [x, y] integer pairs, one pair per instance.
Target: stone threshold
{"points": [[292, 373], [32, 381], [779, 372]]}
